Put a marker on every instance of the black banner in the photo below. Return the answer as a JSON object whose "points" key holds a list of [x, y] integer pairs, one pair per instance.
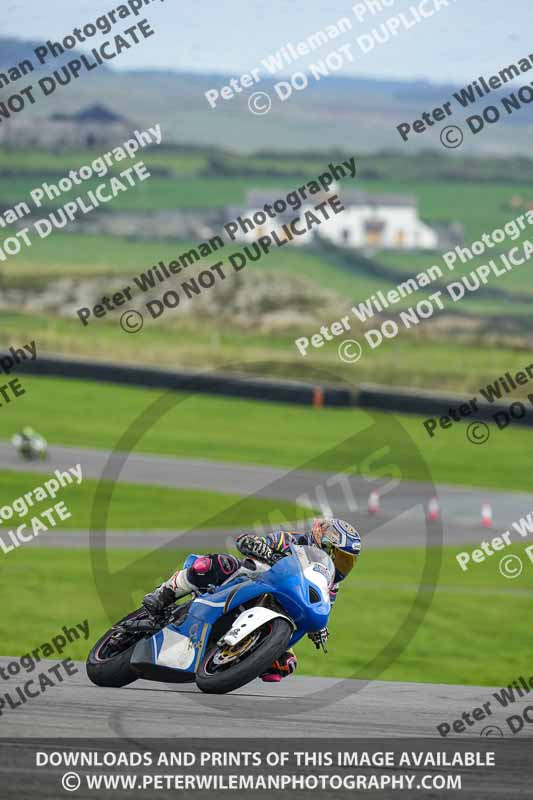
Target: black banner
{"points": [[242, 768]]}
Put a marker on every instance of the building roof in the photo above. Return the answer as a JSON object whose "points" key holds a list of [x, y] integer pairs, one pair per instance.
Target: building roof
{"points": [[232, 212], [257, 198], [355, 198], [95, 113]]}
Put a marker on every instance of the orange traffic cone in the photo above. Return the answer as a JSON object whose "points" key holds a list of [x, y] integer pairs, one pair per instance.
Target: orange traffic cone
{"points": [[486, 515], [373, 503], [433, 511]]}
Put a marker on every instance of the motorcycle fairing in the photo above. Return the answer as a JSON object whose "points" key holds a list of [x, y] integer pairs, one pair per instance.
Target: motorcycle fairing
{"points": [[290, 582]]}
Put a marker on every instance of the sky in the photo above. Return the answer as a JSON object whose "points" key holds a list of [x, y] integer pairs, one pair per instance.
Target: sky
{"points": [[457, 44]]}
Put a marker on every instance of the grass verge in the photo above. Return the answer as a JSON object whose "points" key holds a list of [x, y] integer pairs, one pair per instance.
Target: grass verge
{"points": [[441, 364], [141, 507]]}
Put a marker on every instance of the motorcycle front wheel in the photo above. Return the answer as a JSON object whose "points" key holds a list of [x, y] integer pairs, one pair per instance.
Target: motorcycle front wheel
{"points": [[225, 668]]}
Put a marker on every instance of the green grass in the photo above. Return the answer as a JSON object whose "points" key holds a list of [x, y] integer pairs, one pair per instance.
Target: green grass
{"points": [[75, 255], [82, 413], [82, 255], [140, 507], [181, 191], [40, 161], [426, 165], [460, 640], [516, 281], [179, 342], [479, 206]]}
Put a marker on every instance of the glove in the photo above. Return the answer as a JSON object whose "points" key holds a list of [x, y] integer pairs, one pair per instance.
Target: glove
{"points": [[254, 547], [333, 593], [319, 638]]}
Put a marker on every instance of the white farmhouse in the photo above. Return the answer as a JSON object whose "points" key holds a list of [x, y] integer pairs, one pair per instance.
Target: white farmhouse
{"points": [[380, 222], [376, 222]]}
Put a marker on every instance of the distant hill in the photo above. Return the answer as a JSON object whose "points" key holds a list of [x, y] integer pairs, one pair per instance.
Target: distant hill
{"points": [[355, 114], [13, 51]]}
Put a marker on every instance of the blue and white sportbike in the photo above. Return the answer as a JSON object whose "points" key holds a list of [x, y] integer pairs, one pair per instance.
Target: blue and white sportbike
{"points": [[227, 636]]}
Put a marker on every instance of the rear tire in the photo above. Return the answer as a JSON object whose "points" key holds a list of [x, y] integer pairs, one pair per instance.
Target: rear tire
{"points": [[251, 667], [112, 670]]}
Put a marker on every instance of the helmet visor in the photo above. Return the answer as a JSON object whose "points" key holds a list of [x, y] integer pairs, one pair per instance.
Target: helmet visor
{"points": [[344, 562]]}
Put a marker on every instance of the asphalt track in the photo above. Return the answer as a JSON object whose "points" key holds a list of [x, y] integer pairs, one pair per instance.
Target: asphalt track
{"points": [[77, 708], [401, 521]]}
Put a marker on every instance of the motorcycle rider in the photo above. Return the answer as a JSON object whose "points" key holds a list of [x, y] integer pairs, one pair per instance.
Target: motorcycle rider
{"points": [[29, 443], [26, 435], [335, 536]]}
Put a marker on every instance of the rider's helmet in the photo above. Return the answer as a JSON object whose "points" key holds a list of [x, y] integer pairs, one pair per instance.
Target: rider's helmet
{"points": [[340, 540], [27, 432]]}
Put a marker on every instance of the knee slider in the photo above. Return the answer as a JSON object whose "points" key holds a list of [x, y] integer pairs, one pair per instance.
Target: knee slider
{"points": [[214, 568], [201, 566]]}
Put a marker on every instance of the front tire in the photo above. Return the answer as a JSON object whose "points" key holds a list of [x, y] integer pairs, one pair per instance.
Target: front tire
{"points": [[108, 663], [214, 679]]}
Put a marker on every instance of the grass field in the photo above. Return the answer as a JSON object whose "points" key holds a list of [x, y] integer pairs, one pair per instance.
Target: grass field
{"points": [[440, 365], [152, 194], [96, 414], [479, 203], [79, 255], [460, 640], [516, 281], [42, 162], [140, 507], [83, 255], [479, 206]]}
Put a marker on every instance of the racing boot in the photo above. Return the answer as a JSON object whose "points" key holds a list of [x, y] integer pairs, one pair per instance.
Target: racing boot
{"points": [[166, 594], [282, 668]]}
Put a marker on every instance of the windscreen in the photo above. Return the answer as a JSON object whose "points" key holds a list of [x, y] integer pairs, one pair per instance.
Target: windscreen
{"points": [[308, 556]]}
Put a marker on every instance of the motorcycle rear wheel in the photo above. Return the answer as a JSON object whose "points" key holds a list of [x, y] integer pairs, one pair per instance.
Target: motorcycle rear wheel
{"points": [[108, 663], [219, 679]]}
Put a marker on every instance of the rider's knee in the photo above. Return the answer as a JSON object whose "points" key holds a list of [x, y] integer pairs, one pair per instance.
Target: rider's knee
{"points": [[200, 572], [212, 569], [201, 566]]}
